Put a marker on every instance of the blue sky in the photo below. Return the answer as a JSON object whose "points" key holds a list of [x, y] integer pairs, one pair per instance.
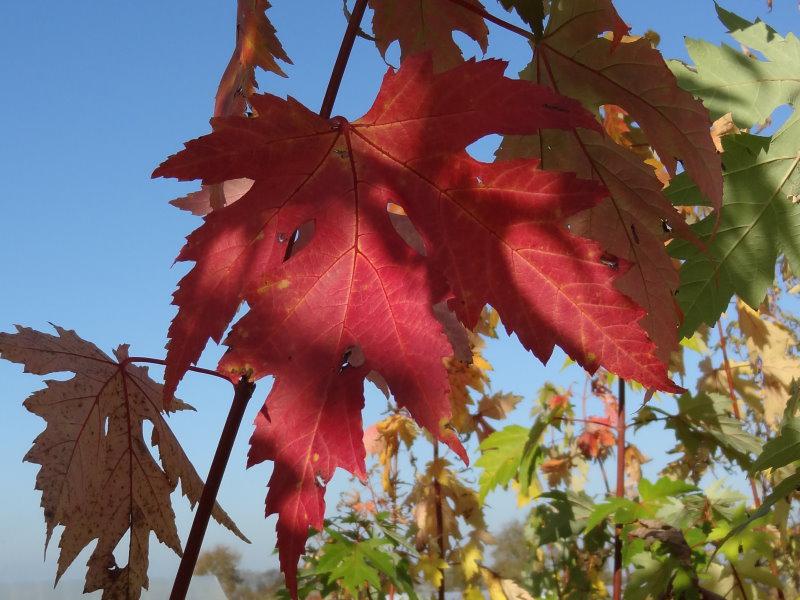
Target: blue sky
{"points": [[96, 95]]}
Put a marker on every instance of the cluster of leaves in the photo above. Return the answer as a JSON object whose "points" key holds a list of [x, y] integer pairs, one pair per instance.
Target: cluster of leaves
{"points": [[364, 228], [359, 551], [369, 251], [759, 216]]}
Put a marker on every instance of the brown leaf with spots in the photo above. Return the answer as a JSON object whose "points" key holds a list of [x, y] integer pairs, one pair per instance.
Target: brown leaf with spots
{"points": [[98, 477]]}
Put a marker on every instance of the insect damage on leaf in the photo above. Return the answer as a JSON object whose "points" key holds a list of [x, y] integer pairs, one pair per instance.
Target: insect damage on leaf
{"points": [[98, 478], [493, 234]]}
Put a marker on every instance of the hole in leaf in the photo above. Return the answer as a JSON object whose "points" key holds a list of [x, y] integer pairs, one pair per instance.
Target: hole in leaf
{"points": [[610, 260], [634, 234], [468, 46], [379, 382], [405, 228], [298, 240], [666, 226], [150, 436], [352, 357], [485, 148]]}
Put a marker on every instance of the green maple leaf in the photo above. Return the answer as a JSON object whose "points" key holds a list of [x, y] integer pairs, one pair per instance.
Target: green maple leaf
{"points": [[782, 450], [649, 577], [760, 217], [728, 80], [501, 454], [354, 564], [564, 515], [664, 487], [626, 510], [732, 537], [705, 420], [511, 453]]}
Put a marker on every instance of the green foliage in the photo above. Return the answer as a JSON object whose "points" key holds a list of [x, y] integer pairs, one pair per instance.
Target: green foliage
{"points": [[501, 455], [703, 423], [759, 220], [357, 564], [760, 216], [782, 450], [728, 80], [511, 453], [358, 555]]}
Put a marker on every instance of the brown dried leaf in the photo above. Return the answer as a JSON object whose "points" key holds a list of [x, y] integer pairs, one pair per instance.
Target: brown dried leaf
{"points": [[723, 126], [498, 406], [634, 459], [98, 477], [713, 379], [458, 502], [557, 469], [384, 439]]}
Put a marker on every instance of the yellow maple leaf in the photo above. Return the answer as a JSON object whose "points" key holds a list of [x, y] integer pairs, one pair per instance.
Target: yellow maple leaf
{"points": [[769, 346]]}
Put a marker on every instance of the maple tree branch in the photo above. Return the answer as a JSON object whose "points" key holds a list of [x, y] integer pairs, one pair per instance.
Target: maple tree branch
{"points": [[589, 421], [350, 34], [738, 580], [244, 391], [723, 343], [479, 10], [620, 491], [439, 520], [159, 361]]}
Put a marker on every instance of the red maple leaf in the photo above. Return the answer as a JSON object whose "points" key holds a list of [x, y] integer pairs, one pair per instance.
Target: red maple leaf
{"points": [[334, 292]]}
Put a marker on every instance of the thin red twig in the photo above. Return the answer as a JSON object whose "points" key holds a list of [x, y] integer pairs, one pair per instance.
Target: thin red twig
{"points": [[723, 343], [620, 492], [159, 361], [439, 520], [353, 25], [734, 403], [244, 391], [595, 421]]}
